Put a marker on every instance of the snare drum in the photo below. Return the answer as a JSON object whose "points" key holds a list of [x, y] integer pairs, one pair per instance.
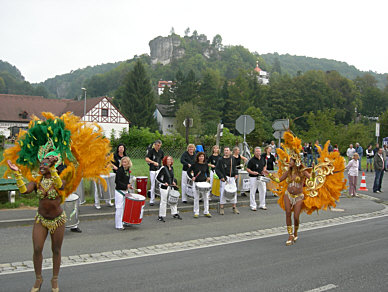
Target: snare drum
{"points": [[141, 183], [71, 209], [134, 207], [263, 179], [229, 191], [203, 187], [173, 196]]}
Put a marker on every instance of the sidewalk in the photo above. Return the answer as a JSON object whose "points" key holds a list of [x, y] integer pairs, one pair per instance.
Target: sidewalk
{"points": [[25, 216]]}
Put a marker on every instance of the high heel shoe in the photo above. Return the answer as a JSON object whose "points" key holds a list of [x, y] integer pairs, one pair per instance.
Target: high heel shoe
{"points": [[54, 280], [290, 241], [40, 280]]}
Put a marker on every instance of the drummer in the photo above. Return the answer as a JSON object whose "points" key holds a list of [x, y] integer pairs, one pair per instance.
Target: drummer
{"points": [[122, 186], [199, 172], [212, 162], [187, 159], [238, 157], [256, 168], [154, 159], [227, 172], [166, 180], [117, 156]]}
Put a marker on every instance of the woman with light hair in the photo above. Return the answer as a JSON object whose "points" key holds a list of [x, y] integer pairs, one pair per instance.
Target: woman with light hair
{"points": [[237, 157], [122, 186], [187, 160], [352, 168]]}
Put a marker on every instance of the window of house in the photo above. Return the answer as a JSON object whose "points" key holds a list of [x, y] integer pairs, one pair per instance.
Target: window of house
{"points": [[104, 112]]}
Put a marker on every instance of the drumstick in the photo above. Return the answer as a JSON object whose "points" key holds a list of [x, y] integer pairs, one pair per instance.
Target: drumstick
{"points": [[197, 174]]}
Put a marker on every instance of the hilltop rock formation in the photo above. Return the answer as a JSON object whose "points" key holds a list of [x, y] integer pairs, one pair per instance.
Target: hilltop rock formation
{"points": [[166, 49]]}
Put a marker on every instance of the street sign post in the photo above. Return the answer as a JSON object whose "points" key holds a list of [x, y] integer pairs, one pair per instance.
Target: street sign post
{"points": [[245, 124], [280, 126]]}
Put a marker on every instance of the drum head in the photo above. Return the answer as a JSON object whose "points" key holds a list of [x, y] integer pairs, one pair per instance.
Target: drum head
{"points": [[136, 197], [72, 197], [203, 185], [230, 188]]}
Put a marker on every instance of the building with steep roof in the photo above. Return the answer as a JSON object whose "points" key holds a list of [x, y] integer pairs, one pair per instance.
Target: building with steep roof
{"points": [[165, 116], [16, 112], [263, 76]]}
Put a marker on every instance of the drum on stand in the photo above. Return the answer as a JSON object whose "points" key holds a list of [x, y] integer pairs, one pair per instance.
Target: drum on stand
{"points": [[109, 193], [71, 209], [141, 183], [80, 191], [243, 181], [229, 191], [134, 208], [202, 188], [263, 179]]}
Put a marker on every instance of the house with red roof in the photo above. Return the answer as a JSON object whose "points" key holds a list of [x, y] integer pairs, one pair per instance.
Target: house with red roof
{"points": [[16, 112]]}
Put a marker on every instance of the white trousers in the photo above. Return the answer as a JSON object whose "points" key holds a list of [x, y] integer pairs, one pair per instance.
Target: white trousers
{"points": [[97, 197], [163, 204], [184, 185], [119, 204], [152, 181], [255, 184], [212, 172], [229, 180], [205, 201]]}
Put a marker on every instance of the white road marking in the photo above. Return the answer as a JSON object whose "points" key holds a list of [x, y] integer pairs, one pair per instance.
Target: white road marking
{"points": [[323, 288]]}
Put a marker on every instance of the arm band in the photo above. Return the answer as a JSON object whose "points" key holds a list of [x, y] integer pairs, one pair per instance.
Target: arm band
{"points": [[56, 179], [19, 182], [275, 179]]}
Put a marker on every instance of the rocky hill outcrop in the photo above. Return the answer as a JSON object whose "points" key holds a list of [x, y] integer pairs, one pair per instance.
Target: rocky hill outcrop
{"points": [[166, 49]]}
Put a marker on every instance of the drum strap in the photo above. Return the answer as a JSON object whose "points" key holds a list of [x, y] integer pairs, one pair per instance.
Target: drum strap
{"points": [[121, 192]]}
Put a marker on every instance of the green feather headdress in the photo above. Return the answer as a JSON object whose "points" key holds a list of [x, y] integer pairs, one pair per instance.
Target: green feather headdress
{"points": [[43, 139]]}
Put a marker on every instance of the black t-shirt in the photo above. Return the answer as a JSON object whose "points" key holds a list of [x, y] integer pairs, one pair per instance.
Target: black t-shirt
{"points": [[223, 168], [269, 161], [166, 175], [156, 156], [238, 161], [187, 159], [255, 164], [213, 159], [122, 179], [200, 169], [116, 160]]}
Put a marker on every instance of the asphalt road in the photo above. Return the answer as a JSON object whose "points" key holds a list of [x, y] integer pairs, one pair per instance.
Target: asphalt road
{"points": [[100, 235], [349, 257]]}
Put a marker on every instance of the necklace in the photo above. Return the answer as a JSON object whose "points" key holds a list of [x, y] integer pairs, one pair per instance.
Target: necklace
{"points": [[46, 183]]}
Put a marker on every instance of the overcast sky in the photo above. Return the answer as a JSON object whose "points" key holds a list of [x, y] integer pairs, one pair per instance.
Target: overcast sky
{"points": [[44, 38]]}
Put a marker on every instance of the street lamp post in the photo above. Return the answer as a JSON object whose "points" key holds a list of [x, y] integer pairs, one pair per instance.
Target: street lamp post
{"points": [[84, 89]]}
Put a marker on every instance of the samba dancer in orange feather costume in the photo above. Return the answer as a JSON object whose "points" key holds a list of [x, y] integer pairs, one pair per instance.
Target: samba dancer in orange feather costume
{"points": [[306, 189]]}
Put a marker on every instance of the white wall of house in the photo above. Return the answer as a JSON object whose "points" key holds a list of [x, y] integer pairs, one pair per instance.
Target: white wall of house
{"points": [[107, 117], [167, 125], [5, 127]]}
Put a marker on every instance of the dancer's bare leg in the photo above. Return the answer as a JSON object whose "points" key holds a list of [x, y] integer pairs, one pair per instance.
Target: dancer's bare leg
{"points": [[39, 235]]}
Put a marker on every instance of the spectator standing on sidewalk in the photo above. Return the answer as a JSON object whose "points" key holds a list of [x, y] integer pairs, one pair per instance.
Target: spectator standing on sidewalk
{"points": [[316, 153], [385, 150], [369, 158], [350, 152], [360, 152], [379, 170], [352, 169], [309, 151]]}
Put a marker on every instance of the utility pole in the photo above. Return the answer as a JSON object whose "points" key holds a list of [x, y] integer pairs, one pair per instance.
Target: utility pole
{"points": [[220, 128], [187, 129]]}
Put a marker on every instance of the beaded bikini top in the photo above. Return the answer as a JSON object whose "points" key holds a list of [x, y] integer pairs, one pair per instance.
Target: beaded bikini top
{"points": [[48, 192]]}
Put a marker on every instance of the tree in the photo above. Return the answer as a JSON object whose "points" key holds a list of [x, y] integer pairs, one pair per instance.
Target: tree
{"points": [[3, 88], [210, 102], [263, 129], [189, 110], [217, 42], [172, 31], [136, 98], [187, 32]]}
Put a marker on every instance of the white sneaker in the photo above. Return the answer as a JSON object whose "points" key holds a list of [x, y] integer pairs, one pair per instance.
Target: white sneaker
{"points": [[98, 207]]}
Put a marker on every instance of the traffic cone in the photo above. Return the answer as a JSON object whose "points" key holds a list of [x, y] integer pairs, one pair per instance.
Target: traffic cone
{"points": [[363, 183]]}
